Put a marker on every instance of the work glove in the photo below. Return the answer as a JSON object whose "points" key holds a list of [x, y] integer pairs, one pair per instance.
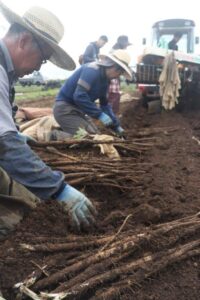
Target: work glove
{"points": [[120, 132], [105, 119], [80, 209], [26, 138]]}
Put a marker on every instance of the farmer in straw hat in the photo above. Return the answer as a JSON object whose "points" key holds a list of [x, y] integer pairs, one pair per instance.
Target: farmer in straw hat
{"points": [[75, 103], [25, 179]]}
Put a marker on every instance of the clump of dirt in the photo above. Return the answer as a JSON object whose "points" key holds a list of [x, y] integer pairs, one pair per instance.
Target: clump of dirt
{"points": [[149, 215]]}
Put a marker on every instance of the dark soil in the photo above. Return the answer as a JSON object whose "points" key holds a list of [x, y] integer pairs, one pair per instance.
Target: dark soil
{"points": [[43, 102], [170, 189]]}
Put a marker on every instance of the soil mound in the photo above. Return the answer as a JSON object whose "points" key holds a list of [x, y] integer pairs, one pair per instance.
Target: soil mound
{"points": [[146, 243]]}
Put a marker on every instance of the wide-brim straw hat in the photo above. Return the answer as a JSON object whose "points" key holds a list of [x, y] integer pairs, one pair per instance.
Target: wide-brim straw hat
{"points": [[120, 57], [45, 25]]}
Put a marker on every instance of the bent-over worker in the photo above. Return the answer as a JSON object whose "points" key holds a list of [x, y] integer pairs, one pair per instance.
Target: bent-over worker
{"points": [[75, 103], [30, 41]]}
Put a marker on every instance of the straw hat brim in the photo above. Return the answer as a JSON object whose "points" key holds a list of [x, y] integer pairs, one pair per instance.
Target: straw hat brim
{"points": [[59, 57], [128, 72]]}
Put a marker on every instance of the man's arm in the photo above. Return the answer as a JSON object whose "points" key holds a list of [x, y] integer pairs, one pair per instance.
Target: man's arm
{"points": [[16, 157], [24, 166], [7, 123], [84, 103]]}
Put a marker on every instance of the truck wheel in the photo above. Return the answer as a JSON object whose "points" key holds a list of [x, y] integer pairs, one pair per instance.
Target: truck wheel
{"points": [[145, 101]]}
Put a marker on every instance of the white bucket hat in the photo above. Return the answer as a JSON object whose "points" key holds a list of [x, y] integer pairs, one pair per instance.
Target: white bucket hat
{"points": [[120, 57], [47, 27]]}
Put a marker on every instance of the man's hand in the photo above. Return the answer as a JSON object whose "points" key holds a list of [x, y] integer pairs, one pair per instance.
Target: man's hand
{"points": [[120, 131], [79, 207], [105, 119]]}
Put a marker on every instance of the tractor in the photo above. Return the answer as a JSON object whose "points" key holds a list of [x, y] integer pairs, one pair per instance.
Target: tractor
{"points": [[150, 63]]}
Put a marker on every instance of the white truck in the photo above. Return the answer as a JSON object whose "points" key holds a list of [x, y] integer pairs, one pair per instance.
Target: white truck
{"points": [[35, 78], [150, 62]]}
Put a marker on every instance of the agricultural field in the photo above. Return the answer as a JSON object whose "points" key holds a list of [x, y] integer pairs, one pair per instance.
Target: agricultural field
{"points": [[30, 94], [146, 241]]}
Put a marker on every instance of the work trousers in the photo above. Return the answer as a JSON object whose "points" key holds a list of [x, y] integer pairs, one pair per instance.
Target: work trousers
{"points": [[71, 119], [15, 201], [114, 101]]}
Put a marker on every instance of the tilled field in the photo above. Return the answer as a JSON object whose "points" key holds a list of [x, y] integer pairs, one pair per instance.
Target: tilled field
{"points": [[146, 243]]}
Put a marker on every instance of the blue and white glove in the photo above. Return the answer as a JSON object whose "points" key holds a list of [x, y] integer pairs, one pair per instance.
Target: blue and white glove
{"points": [[105, 119], [25, 138], [80, 209], [119, 131]]}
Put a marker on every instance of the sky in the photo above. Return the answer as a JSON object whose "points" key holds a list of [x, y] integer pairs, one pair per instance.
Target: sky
{"points": [[84, 21]]}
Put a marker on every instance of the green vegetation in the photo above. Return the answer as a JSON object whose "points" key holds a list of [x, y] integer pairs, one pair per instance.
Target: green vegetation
{"points": [[128, 88], [33, 92]]}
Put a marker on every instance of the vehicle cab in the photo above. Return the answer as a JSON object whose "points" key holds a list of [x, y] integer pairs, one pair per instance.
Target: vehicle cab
{"points": [[149, 69], [165, 30]]}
